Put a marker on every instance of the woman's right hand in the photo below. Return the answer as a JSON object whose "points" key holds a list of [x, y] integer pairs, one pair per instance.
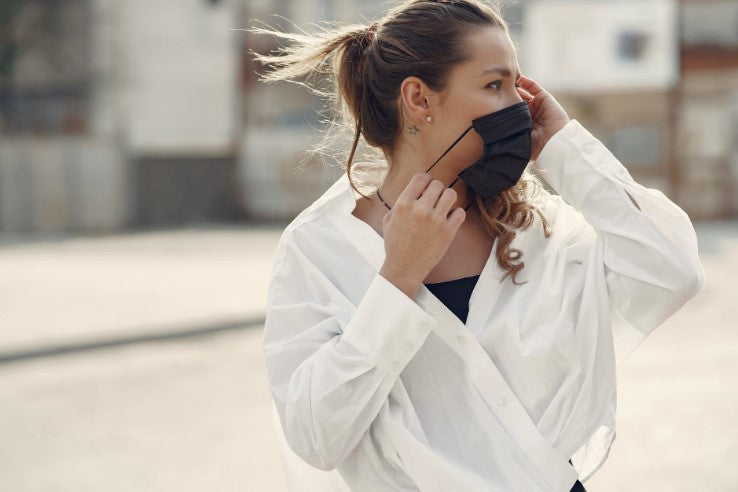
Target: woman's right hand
{"points": [[418, 231]]}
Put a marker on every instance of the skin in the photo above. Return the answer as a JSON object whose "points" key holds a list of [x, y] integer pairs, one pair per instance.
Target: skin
{"points": [[428, 236]]}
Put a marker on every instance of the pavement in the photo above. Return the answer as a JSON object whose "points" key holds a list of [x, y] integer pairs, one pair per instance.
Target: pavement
{"points": [[133, 362]]}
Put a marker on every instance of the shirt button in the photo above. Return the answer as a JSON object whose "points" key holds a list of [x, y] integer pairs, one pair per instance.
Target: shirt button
{"points": [[502, 401], [461, 339]]}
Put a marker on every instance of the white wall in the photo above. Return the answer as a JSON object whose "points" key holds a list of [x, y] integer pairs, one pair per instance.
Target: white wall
{"points": [[180, 77], [585, 46]]}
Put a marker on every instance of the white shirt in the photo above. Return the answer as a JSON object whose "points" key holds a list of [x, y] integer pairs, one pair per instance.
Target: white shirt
{"points": [[377, 391]]}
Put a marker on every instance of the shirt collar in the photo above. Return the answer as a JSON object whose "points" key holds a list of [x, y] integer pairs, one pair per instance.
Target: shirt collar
{"points": [[340, 197], [340, 200]]}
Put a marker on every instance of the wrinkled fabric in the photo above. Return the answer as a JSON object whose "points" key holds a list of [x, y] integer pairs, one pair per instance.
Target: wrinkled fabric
{"points": [[374, 390]]}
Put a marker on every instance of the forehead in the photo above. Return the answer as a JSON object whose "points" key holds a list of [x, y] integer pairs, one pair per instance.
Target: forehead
{"points": [[489, 47]]}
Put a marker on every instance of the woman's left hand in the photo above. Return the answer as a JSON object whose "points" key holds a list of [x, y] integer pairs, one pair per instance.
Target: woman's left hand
{"points": [[547, 114]]}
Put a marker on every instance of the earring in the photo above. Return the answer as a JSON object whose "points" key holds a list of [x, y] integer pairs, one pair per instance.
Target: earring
{"points": [[428, 118]]}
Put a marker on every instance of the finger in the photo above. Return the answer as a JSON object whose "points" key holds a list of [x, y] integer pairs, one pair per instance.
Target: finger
{"points": [[524, 94], [431, 193], [535, 103], [414, 188], [456, 218], [386, 218], [530, 85], [445, 201]]}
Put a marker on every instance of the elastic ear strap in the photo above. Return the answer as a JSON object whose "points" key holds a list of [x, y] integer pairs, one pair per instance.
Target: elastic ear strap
{"points": [[450, 147]]}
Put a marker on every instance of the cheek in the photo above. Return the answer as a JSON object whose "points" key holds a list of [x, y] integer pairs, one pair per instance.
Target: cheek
{"points": [[470, 150]]}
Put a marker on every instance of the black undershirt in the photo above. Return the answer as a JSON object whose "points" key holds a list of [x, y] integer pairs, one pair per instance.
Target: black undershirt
{"points": [[455, 294]]}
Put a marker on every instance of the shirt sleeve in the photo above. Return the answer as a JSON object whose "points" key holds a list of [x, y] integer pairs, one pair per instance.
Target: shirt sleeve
{"points": [[331, 368], [648, 244]]}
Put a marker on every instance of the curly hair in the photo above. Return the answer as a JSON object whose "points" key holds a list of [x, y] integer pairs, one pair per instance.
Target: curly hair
{"points": [[365, 68]]}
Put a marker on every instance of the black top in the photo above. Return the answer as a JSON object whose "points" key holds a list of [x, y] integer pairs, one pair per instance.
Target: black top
{"points": [[455, 294]]}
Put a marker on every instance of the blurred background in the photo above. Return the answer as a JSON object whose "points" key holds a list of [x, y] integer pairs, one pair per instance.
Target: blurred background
{"points": [[145, 178]]}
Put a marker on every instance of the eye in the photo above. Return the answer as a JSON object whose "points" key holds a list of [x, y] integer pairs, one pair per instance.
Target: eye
{"points": [[497, 84]]}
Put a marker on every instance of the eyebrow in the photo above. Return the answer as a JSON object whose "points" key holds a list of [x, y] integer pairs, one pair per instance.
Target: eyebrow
{"points": [[501, 70]]}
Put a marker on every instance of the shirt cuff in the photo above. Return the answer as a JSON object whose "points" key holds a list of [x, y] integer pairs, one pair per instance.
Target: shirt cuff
{"points": [[573, 161], [388, 325]]}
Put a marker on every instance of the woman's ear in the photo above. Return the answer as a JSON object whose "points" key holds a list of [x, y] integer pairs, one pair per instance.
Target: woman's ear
{"points": [[413, 93]]}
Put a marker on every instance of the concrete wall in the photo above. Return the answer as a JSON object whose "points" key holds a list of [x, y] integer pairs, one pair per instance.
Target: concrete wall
{"points": [[63, 184], [163, 89]]}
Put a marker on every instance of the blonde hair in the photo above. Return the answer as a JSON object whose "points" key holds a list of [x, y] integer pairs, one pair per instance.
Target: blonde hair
{"points": [[424, 38]]}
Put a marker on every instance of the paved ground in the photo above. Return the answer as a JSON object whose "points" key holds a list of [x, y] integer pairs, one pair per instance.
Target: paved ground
{"points": [[132, 362]]}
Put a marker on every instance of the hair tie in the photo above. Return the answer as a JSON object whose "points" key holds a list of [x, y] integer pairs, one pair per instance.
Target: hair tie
{"points": [[369, 34]]}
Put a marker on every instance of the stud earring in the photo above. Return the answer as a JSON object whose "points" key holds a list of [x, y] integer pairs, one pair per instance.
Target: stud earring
{"points": [[428, 118]]}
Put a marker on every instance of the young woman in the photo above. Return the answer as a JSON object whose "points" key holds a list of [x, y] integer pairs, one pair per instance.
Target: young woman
{"points": [[458, 329]]}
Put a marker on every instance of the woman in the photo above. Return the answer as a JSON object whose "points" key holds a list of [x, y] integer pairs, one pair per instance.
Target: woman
{"points": [[408, 345]]}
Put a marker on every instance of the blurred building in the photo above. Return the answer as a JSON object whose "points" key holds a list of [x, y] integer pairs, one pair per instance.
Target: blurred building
{"points": [[118, 114], [132, 114], [707, 109], [655, 80]]}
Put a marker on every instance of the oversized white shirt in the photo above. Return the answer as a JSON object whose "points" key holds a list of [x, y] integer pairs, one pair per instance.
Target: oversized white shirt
{"points": [[374, 390]]}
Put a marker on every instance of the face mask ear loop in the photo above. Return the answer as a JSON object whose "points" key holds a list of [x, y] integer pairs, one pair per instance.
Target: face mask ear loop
{"points": [[450, 147]]}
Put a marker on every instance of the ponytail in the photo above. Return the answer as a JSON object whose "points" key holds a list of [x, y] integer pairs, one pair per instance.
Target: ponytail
{"points": [[336, 53]]}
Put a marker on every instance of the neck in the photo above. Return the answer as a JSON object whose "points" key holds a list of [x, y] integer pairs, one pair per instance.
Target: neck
{"points": [[407, 162]]}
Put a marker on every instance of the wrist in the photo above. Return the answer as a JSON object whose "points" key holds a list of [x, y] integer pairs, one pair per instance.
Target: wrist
{"points": [[401, 280]]}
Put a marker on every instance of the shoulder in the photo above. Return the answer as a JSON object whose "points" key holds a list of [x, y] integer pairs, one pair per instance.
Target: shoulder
{"points": [[301, 234], [294, 270], [567, 225], [310, 244]]}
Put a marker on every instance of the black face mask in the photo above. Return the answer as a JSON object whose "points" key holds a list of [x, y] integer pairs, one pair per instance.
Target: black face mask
{"points": [[507, 150]]}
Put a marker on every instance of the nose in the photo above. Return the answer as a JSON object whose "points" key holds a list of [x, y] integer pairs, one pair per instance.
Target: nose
{"points": [[511, 102], [517, 97]]}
